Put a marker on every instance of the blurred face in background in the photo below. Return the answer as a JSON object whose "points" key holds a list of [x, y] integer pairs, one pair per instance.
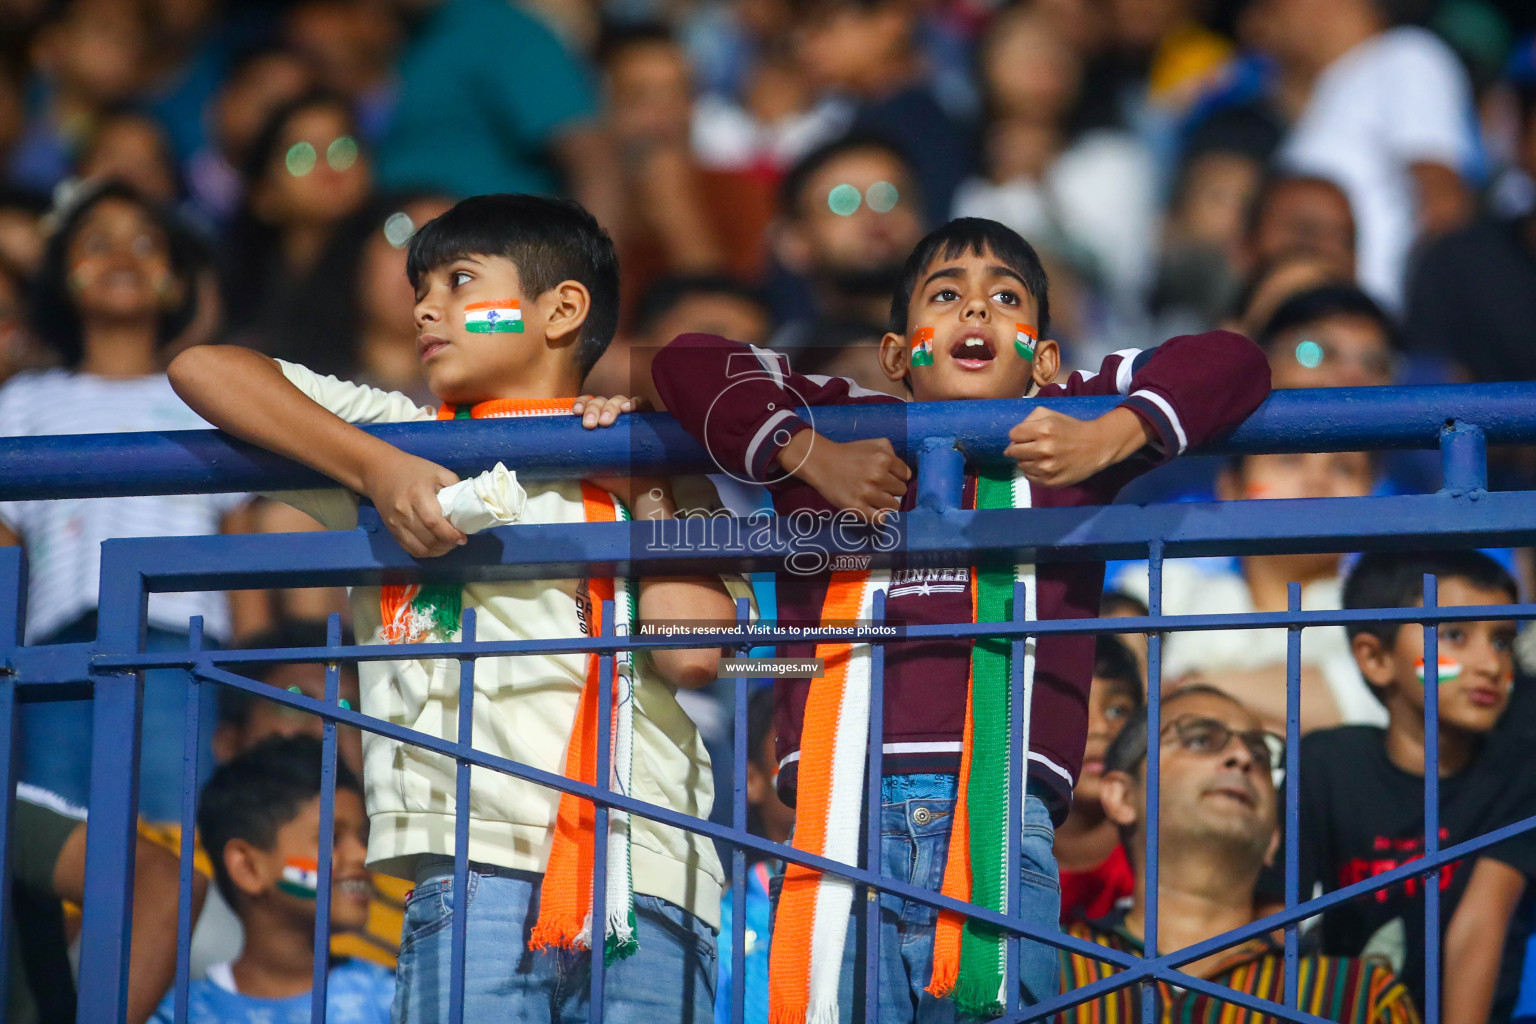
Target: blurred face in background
{"points": [[1287, 276], [650, 93], [1305, 215], [251, 95], [1335, 352], [385, 294], [132, 149], [843, 240], [1028, 68], [120, 264], [349, 44], [97, 49], [317, 173], [1294, 475]]}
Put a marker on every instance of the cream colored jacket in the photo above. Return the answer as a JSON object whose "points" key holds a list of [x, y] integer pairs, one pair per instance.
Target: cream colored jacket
{"points": [[523, 710]]}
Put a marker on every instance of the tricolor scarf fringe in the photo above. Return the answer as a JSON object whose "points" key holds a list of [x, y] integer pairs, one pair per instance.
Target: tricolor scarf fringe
{"points": [[417, 613], [811, 927]]}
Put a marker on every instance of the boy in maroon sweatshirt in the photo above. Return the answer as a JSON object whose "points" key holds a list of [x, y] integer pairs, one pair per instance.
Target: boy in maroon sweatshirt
{"points": [[970, 305]]}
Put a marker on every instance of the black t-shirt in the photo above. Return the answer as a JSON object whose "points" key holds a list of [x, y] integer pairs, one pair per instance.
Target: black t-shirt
{"points": [[1362, 816], [1472, 298]]}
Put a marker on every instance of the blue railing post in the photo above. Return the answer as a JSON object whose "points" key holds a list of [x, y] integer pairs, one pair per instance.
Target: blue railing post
{"points": [[1149, 990], [873, 807], [116, 720], [13, 584], [462, 794], [326, 855], [1292, 792], [1431, 881], [740, 757], [940, 474], [191, 749], [1463, 458], [607, 674]]}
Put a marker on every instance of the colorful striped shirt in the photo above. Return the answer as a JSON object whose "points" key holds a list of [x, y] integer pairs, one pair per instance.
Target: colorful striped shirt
{"points": [[1342, 989]]}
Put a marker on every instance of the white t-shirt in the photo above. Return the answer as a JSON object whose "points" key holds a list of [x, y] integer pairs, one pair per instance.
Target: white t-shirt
{"points": [[1187, 590], [63, 536], [1397, 99]]}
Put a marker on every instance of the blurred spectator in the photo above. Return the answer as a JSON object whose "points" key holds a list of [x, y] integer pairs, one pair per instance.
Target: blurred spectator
{"points": [[88, 58], [1472, 296], [1203, 233], [1269, 285], [47, 867], [13, 110], [770, 818], [21, 229], [1088, 197], [650, 98], [117, 284], [846, 348], [1096, 877], [863, 53], [1389, 119], [1219, 822], [849, 216], [1330, 337], [258, 83], [135, 150], [1362, 790], [387, 356], [259, 817], [1300, 213], [299, 235], [17, 349], [673, 306], [1116, 604], [351, 46], [1251, 663], [186, 58], [492, 101]]}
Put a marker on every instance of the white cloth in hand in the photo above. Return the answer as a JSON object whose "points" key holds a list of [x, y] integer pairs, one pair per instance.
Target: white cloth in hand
{"points": [[494, 498]]}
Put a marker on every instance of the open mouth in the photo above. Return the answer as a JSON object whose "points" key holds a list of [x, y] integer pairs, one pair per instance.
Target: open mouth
{"points": [[1242, 796], [972, 352]]}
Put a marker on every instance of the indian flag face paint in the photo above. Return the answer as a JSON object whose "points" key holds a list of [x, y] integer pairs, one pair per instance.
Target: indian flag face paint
{"points": [[499, 316], [1448, 669], [301, 877], [1024, 339], [922, 347]]}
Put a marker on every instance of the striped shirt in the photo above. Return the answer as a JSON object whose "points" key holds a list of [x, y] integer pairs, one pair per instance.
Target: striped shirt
{"points": [[1342, 989], [63, 538]]}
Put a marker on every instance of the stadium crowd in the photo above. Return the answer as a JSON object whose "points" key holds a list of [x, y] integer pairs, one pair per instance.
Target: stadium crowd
{"points": [[1350, 183]]}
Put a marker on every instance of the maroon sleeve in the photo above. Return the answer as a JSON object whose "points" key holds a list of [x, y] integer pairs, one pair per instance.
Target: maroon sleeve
{"points": [[1189, 389], [739, 400]]}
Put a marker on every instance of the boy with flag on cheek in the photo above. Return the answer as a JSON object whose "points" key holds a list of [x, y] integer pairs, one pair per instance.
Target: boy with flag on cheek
{"points": [[259, 818], [969, 320], [517, 297]]}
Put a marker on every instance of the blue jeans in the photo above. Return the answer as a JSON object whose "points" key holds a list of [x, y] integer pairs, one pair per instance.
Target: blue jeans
{"points": [[56, 736], [671, 978], [914, 843]]}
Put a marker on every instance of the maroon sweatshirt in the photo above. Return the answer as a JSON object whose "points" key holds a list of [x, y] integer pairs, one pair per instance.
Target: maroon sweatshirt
{"points": [[1189, 390]]}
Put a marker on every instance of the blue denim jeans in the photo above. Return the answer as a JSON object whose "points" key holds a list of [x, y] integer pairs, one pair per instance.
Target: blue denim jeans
{"points": [[671, 978], [914, 842]]}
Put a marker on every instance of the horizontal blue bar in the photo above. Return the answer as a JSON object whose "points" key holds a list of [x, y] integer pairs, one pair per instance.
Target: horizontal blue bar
{"points": [[187, 462]]}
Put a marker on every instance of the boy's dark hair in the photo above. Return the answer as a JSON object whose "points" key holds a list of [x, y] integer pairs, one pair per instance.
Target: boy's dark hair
{"points": [[1118, 600], [548, 240], [613, 40], [1322, 303], [52, 304], [234, 704], [1114, 661], [795, 181], [1127, 750], [256, 794], [667, 293], [1395, 579], [977, 236]]}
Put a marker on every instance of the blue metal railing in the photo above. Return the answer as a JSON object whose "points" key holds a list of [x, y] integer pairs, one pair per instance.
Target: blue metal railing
{"points": [[1459, 421]]}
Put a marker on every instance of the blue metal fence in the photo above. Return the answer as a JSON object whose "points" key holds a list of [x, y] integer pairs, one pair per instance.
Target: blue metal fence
{"points": [[1459, 421]]}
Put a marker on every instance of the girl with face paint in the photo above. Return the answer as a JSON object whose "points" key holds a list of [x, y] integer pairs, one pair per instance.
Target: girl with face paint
{"points": [[115, 288]]}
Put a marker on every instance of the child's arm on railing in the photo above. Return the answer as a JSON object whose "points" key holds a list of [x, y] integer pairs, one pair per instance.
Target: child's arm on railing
{"points": [[246, 394]]}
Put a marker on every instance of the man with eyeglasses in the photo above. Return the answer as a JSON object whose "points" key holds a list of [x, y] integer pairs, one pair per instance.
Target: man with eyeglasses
{"points": [[1219, 826]]}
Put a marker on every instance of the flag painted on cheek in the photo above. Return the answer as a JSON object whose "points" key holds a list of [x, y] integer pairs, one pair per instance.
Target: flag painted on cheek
{"points": [[922, 347], [301, 877], [1449, 669], [498, 316], [1024, 340]]}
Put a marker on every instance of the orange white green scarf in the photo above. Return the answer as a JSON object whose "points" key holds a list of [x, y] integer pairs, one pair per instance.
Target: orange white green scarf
{"points": [[417, 613], [811, 926]]}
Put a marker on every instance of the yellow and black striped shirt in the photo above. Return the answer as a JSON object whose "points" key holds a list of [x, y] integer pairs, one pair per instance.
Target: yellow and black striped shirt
{"points": [[1341, 989]]}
